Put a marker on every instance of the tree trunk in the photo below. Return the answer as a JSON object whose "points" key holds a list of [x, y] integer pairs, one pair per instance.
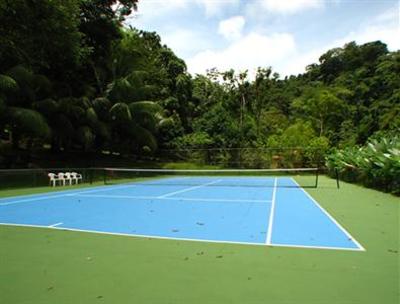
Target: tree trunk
{"points": [[321, 125], [96, 76]]}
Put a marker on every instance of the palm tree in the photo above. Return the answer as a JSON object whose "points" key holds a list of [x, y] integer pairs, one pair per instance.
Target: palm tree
{"points": [[16, 95], [133, 115]]}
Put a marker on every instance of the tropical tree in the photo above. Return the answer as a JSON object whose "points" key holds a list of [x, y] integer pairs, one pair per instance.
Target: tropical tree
{"points": [[325, 107], [23, 28]]}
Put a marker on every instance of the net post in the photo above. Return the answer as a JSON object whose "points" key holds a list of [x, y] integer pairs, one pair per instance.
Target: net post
{"points": [[316, 177], [337, 178], [90, 175], [104, 176], [35, 178]]}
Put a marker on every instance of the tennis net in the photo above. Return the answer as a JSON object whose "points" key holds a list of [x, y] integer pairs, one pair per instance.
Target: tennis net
{"points": [[293, 177]]}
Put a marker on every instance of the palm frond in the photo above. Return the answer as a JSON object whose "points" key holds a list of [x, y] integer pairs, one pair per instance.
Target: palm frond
{"points": [[85, 136], [42, 85], [145, 106], [21, 75], [120, 113], [7, 84], [28, 122], [91, 117], [142, 137], [48, 107], [102, 107], [120, 90], [102, 131]]}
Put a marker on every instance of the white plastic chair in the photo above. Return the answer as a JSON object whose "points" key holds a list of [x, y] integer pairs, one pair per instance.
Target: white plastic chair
{"points": [[53, 179], [68, 177], [61, 178], [76, 177]]}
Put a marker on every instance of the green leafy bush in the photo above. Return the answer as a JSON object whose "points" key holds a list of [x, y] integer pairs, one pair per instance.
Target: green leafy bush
{"points": [[377, 164]]}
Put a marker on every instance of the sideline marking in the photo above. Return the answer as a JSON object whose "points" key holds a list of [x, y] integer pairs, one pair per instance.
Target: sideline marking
{"points": [[66, 192], [38, 198], [55, 225], [189, 189], [271, 214], [180, 239], [102, 190], [360, 247], [60, 190], [33, 199], [175, 198]]}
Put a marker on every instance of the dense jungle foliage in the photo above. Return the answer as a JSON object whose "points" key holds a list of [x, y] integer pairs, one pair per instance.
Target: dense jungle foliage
{"points": [[74, 78]]}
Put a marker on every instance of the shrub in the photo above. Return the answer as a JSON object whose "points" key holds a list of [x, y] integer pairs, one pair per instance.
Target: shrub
{"points": [[377, 164]]}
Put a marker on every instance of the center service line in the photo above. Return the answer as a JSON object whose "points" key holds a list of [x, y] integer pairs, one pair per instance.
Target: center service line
{"points": [[271, 214], [189, 189]]}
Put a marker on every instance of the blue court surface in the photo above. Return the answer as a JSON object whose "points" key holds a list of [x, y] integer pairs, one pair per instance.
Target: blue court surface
{"points": [[213, 209]]}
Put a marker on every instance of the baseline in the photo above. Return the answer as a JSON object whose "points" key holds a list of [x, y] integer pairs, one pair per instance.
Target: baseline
{"points": [[131, 235], [315, 247], [180, 239]]}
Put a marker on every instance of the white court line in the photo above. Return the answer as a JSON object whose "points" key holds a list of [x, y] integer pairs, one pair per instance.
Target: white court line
{"points": [[132, 235], [55, 225], [316, 247], [271, 214], [103, 190], [178, 239], [189, 189], [7, 198], [62, 193], [33, 199], [39, 198], [175, 198], [130, 185], [331, 218]]}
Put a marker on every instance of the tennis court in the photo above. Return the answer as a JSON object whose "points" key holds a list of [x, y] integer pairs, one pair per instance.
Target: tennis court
{"points": [[254, 210]]}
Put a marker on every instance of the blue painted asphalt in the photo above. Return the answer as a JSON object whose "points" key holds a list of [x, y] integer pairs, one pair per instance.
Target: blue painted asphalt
{"points": [[299, 221], [204, 208]]}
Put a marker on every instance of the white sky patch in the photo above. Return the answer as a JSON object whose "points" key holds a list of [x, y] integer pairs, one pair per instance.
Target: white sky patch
{"points": [[232, 28], [160, 7], [185, 42], [290, 6], [390, 36], [152, 10], [385, 27], [297, 63], [216, 7], [389, 15], [247, 53], [259, 33]]}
